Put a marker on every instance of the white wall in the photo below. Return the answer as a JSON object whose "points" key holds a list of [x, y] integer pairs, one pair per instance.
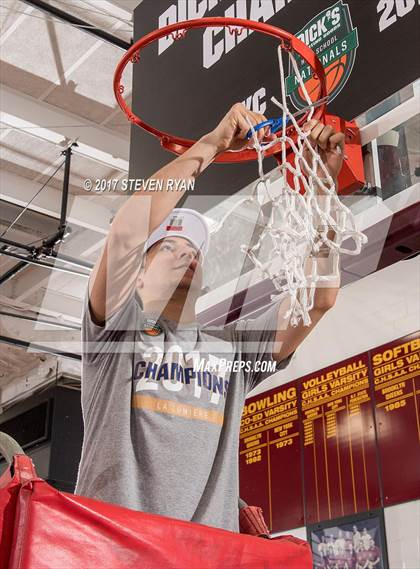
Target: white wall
{"points": [[372, 311], [402, 526], [296, 532]]}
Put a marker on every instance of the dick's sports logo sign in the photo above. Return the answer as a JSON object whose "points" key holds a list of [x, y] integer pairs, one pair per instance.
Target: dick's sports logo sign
{"points": [[331, 35]]}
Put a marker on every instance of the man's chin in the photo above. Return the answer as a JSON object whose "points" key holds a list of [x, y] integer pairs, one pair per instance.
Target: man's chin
{"points": [[187, 283]]}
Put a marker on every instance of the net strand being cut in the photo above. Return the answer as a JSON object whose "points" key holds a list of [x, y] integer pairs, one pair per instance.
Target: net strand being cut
{"points": [[303, 213]]}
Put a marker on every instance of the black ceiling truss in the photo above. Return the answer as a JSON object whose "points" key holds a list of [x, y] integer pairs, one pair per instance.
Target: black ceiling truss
{"points": [[77, 22], [35, 255], [38, 348], [41, 320]]}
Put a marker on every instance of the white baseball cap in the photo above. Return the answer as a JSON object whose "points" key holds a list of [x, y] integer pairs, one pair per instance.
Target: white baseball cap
{"points": [[186, 223]]}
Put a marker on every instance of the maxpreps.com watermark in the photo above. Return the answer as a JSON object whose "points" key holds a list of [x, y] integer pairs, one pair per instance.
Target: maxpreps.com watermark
{"points": [[223, 365], [137, 184]]}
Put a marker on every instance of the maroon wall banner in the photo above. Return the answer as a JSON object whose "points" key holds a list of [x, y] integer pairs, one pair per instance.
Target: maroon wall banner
{"points": [[340, 467], [396, 379], [269, 457], [349, 432]]}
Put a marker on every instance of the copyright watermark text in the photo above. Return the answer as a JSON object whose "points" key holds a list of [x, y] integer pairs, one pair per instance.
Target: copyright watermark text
{"points": [[137, 184]]}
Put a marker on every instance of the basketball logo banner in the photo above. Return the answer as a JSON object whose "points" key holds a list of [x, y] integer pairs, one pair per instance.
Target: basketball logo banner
{"points": [[334, 40]]}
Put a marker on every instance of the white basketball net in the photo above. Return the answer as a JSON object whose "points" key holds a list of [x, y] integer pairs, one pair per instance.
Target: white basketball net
{"points": [[298, 225]]}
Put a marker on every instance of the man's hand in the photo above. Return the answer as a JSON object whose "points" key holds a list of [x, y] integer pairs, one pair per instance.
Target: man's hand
{"points": [[330, 146], [230, 133]]}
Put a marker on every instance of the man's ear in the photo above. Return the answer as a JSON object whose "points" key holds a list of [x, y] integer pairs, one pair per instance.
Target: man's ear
{"points": [[140, 282], [138, 298]]}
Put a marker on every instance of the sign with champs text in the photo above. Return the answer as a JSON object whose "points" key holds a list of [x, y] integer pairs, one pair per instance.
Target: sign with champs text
{"points": [[333, 443], [396, 380], [339, 454], [185, 86], [269, 439]]}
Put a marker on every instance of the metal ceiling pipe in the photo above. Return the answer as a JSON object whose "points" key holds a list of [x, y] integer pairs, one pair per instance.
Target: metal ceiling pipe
{"points": [[16, 269], [71, 260], [38, 348], [49, 244], [10, 243], [41, 320], [42, 264], [53, 254], [89, 28], [46, 249]]}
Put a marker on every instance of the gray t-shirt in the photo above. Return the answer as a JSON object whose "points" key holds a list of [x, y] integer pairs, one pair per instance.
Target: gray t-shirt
{"points": [[162, 413]]}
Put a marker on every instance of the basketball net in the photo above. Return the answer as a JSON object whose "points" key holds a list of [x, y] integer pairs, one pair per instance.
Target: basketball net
{"points": [[299, 222]]}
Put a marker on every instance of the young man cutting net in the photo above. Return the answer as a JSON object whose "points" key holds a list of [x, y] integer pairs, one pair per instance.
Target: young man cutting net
{"points": [[162, 396]]}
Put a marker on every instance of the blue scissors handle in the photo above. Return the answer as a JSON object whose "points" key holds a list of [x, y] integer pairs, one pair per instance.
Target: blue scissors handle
{"points": [[274, 124]]}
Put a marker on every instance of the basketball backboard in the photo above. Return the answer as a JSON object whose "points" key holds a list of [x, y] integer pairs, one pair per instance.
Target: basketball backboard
{"points": [[186, 86], [385, 208]]}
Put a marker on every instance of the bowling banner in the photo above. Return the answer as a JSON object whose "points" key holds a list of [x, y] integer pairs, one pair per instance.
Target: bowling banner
{"points": [[335, 443], [269, 440]]}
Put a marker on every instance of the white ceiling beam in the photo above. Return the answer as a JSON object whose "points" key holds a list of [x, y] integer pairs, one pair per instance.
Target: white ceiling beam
{"points": [[124, 8], [119, 8], [54, 302], [30, 281], [47, 122], [11, 29], [383, 124], [24, 386], [81, 211]]}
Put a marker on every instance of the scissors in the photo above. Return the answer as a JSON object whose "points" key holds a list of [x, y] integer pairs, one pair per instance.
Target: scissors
{"points": [[276, 124]]}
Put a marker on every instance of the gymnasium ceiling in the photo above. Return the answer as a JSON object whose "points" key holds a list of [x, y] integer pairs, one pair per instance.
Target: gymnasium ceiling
{"points": [[56, 88]]}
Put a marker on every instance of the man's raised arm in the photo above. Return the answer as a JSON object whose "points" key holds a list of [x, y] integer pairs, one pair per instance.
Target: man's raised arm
{"points": [[115, 273]]}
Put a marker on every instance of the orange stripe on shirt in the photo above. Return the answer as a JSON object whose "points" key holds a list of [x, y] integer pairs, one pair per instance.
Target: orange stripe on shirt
{"points": [[176, 408]]}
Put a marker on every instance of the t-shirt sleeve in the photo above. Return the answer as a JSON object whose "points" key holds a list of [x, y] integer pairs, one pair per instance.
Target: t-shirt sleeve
{"points": [[101, 342], [255, 339]]}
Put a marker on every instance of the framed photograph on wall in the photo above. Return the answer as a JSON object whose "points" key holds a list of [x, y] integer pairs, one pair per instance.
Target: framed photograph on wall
{"points": [[352, 542]]}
